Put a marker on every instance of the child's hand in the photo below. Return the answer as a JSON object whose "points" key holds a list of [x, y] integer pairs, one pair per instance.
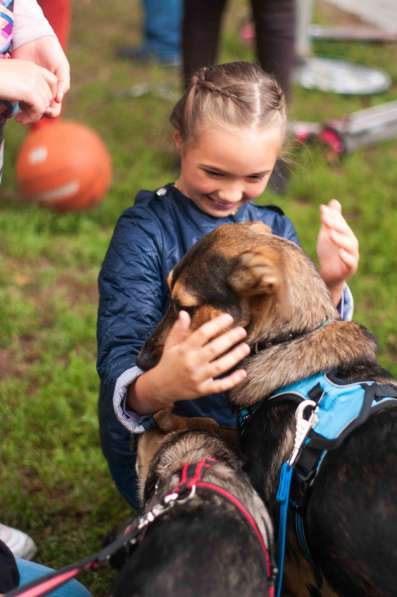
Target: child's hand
{"points": [[47, 52], [190, 363], [33, 86], [337, 249]]}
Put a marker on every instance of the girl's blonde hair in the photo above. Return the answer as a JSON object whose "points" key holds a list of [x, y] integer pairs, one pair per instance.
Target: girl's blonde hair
{"points": [[238, 94]]}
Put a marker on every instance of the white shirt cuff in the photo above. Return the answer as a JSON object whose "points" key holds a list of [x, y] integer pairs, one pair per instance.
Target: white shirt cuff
{"points": [[128, 418], [346, 305]]}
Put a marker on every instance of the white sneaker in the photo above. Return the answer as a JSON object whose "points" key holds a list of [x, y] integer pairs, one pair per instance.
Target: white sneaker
{"points": [[21, 545]]}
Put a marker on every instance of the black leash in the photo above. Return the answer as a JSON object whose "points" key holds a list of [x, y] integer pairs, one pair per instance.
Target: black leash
{"points": [[126, 541]]}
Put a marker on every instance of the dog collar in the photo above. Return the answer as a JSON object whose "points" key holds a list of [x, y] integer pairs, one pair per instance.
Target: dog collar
{"points": [[192, 479], [285, 338]]}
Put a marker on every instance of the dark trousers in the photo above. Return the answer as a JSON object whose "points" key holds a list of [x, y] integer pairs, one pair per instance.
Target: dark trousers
{"points": [[275, 36]]}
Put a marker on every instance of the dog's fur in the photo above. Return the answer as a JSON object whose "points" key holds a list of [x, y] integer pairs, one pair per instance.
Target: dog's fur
{"points": [[204, 546], [271, 288]]}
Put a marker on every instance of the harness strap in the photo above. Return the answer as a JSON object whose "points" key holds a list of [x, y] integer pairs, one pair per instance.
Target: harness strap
{"points": [[296, 481], [282, 498], [191, 477], [251, 522], [192, 473]]}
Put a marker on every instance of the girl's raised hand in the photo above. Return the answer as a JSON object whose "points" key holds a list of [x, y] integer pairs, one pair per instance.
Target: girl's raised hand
{"points": [[337, 249], [192, 362]]}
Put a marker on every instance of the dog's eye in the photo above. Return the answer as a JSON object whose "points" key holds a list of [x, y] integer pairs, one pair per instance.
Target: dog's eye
{"points": [[179, 307], [191, 310]]}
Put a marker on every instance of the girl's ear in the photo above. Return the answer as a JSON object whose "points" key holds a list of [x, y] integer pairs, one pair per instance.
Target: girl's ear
{"points": [[177, 140]]}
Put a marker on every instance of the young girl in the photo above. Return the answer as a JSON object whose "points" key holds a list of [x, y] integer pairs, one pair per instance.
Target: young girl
{"points": [[229, 129]]}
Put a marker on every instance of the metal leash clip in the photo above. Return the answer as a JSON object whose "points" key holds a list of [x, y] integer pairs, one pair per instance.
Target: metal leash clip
{"points": [[180, 497], [155, 512], [303, 426]]}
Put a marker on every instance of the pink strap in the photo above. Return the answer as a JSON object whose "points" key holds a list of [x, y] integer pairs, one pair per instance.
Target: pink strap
{"points": [[47, 585], [247, 515]]}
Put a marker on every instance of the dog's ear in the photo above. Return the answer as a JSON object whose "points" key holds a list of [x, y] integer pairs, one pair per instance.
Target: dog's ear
{"points": [[259, 227], [169, 278], [257, 272]]}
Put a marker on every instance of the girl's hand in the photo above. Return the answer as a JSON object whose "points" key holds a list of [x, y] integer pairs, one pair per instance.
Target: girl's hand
{"points": [[33, 86], [191, 364], [337, 249]]}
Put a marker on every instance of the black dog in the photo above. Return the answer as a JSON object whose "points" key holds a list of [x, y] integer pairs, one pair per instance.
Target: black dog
{"points": [[203, 544]]}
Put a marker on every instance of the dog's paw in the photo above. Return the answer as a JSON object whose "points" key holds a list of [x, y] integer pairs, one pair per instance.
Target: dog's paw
{"points": [[256, 272]]}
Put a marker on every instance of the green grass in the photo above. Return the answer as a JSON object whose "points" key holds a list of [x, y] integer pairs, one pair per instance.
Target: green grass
{"points": [[53, 479]]}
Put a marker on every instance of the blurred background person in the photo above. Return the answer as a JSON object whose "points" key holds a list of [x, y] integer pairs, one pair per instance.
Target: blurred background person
{"points": [[161, 34], [18, 542], [58, 14], [274, 22], [16, 573]]}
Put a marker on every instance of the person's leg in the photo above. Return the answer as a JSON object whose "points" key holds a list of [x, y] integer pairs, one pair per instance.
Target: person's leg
{"points": [[275, 38], [161, 34], [162, 27], [30, 571], [275, 48], [201, 26]]}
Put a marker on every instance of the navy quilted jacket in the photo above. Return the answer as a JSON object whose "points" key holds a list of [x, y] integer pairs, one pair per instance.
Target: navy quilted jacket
{"points": [[149, 239]]}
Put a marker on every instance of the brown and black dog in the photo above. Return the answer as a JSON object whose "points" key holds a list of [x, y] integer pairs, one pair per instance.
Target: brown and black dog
{"points": [[271, 288], [204, 544]]}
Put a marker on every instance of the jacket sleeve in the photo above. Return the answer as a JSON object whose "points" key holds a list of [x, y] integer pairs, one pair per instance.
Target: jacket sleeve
{"points": [[288, 230], [280, 224], [346, 305], [132, 299]]}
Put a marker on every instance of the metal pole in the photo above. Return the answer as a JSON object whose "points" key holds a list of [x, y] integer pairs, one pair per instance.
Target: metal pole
{"points": [[304, 13]]}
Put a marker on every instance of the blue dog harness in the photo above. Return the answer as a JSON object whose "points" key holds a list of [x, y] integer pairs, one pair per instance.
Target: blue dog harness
{"points": [[337, 408]]}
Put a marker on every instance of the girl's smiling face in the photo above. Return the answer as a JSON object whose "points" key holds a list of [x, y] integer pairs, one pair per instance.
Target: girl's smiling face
{"points": [[225, 167]]}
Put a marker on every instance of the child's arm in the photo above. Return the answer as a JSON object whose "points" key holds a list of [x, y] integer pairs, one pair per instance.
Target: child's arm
{"points": [[30, 84], [337, 249], [35, 40], [133, 299], [191, 364]]}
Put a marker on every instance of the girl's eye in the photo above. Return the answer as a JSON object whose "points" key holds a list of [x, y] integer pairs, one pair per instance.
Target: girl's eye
{"points": [[256, 177], [214, 173]]}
